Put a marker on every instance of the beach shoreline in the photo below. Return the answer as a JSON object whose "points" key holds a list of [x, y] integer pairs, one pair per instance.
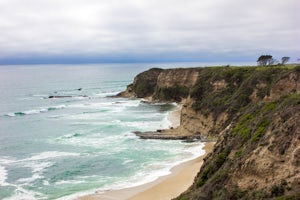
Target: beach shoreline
{"points": [[181, 178], [174, 116], [166, 187]]}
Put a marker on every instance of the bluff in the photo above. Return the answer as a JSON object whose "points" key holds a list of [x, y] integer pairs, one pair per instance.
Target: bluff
{"points": [[254, 112]]}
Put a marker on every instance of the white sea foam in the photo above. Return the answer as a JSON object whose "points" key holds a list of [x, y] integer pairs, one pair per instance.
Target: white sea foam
{"points": [[3, 176], [143, 177], [37, 168], [112, 104], [58, 107], [31, 112], [156, 170], [146, 125], [149, 174], [105, 94], [195, 149], [23, 194], [50, 154], [84, 116], [69, 182], [40, 95], [89, 141], [10, 114], [166, 123], [127, 161], [35, 111], [29, 179], [95, 140], [20, 193], [45, 182], [6, 160]]}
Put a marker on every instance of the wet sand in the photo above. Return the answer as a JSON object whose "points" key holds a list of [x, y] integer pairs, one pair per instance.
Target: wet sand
{"points": [[179, 181], [164, 188]]}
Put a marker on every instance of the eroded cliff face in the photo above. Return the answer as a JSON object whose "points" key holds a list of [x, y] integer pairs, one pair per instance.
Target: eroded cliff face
{"points": [[256, 157], [163, 85], [178, 77], [211, 96], [195, 122], [254, 113]]}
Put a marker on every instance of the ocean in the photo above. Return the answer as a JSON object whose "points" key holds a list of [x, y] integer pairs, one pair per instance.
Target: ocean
{"points": [[61, 148]]}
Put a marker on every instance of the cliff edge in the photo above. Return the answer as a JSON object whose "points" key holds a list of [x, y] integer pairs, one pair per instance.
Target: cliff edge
{"points": [[255, 114]]}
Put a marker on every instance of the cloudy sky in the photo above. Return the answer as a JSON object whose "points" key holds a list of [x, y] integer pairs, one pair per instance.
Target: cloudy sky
{"points": [[147, 30]]}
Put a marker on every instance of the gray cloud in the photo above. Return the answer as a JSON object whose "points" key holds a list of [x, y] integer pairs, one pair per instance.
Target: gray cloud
{"points": [[103, 27]]}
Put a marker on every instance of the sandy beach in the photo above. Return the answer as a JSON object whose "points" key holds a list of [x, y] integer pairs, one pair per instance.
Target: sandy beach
{"points": [[165, 187], [181, 179]]}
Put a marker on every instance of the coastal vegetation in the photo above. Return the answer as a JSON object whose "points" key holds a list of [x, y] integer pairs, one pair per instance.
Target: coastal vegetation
{"points": [[175, 93], [264, 60], [254, 114]]}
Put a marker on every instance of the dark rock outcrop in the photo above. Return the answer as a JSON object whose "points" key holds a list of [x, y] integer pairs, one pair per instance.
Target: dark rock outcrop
{"points": [[168, 134], [64, 96], [58, 96]]}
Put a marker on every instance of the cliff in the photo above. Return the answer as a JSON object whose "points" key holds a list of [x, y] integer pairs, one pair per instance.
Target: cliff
{"points": [[254, 112]]}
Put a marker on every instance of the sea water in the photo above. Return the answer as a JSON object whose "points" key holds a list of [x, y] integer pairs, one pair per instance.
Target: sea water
{"points": [[60, 148]]}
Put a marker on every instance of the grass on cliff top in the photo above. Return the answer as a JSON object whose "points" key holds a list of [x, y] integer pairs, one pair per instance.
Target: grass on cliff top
{"points": [[238, 84], [289, 66]]}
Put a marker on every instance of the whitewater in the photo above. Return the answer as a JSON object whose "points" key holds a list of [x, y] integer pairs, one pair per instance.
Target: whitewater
{"points": [[61, 148]]}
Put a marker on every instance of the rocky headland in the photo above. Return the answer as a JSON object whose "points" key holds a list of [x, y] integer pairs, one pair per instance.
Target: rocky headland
{"points": [[252, 112]]}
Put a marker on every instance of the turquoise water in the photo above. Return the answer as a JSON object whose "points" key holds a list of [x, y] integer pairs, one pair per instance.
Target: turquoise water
{"points": [[52, 148]]}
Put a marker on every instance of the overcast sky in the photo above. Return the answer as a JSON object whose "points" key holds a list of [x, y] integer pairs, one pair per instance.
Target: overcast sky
{"points": [[147, 30]]}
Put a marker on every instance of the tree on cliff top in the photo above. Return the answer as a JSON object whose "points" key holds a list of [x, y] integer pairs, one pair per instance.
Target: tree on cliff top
{"points": [[284, 60], [264, 60]]}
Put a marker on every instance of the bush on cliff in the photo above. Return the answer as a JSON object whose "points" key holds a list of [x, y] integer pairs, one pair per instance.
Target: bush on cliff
{"points": [[175, 93], [145, 83], [238, 85]]}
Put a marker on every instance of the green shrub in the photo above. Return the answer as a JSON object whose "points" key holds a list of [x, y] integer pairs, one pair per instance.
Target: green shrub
{"points": [[270, 106], [221, 158], [247, 117], [277, 190], [242, 130], [245, 133], [261, 129], [258, 134], [239, 153], [204, 176], [292, 99], [220, 176], [283, 182], [237, 193], [173, 93], [183, 198], [143, 88], [290, 197], [297, 69]]}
